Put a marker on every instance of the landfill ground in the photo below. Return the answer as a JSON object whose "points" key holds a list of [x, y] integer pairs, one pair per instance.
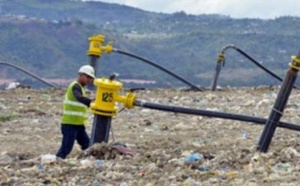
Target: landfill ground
{"points": [[165, 143]]}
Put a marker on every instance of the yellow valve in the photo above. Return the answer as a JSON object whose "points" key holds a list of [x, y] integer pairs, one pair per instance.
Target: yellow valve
{"points": [[96, 46], [107, 95], [295, 64]]}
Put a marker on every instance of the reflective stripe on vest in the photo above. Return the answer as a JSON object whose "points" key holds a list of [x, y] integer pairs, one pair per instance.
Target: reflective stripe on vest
{"points": [[74, 112], [74, 103]]}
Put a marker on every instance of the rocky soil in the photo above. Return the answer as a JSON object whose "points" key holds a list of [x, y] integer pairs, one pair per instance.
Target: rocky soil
{"points": [[171, 148]]}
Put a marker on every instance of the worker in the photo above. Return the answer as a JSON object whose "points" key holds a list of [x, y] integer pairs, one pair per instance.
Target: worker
{"points": [[75, 113]]}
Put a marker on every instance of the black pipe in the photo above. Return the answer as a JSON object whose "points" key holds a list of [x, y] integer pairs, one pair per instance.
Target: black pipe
{"points": [[217, 73], [278, 108], [194, 87], [27, 72], [248, 57], [93, 63], [208, 113], [100, 129], [261, 66]]}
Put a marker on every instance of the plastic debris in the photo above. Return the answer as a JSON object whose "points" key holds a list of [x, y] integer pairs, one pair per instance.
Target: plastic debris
{"points": [[48, 159], [99, 163], [192, 158], [86, 163], [12, 85], [40, 167], [204, 169]]}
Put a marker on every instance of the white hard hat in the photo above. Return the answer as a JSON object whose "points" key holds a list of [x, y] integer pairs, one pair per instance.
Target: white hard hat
{"points": [[88, 70]]}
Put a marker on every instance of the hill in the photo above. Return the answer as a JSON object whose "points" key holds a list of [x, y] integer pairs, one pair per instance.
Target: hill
{"points": [[49, 38]]}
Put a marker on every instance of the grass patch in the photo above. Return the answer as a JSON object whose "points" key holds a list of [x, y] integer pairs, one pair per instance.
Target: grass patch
{"points": [[4, 118]]}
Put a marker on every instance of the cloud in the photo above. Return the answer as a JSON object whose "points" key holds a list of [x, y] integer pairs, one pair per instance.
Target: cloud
{"points": [[233, 8]]}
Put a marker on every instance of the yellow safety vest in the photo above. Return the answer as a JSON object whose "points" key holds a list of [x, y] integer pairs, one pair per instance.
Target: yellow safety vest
{"points": [[74, 112]]}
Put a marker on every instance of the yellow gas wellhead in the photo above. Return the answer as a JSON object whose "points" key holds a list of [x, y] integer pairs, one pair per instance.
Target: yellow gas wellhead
{"points": [[107, 95], [96, 46], [295, 64]]}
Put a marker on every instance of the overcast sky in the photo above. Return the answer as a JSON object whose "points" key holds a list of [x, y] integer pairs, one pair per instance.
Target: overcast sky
{"points": [[264, 9]]}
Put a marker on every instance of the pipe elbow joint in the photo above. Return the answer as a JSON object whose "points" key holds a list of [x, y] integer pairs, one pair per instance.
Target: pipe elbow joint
{"points": [[108, 48]]}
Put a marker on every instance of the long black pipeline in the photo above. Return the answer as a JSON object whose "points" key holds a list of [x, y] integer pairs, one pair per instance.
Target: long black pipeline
{"points": [[29, 73], [194, 87], [254, 61], [208, 113]]}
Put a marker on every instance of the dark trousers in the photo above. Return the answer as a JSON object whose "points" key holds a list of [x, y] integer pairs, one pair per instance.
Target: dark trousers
{"points": [[70, 134]]}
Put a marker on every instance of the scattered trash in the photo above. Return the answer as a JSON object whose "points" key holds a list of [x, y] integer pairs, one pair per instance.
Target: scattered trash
{"points": [[141, 172], [46, 97], [40, 167], [223, 173], [86, 163], [12, 85], [159, 155], [287, 167], [204, 169], [107, 151], [5, 158], [99, 163], [48, 159], [119, 143], [244, 135], [147, 122], [124, 150], [192, 158]]}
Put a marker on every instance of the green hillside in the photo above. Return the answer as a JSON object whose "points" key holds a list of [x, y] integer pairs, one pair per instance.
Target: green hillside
{"points": [[50, 38]]}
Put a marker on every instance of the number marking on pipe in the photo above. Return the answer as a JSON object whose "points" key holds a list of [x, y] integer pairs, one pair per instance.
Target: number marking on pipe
{"points": [[107, 97]]}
